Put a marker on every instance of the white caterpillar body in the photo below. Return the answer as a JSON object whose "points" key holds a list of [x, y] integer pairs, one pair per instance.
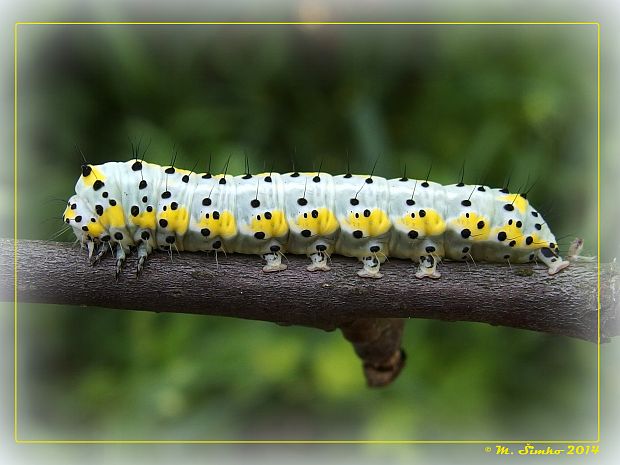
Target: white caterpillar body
{"points": [[138, 204]]}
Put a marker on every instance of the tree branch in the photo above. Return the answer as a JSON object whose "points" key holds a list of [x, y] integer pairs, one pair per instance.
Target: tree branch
{"points": [[377, 342], [523, 296]]}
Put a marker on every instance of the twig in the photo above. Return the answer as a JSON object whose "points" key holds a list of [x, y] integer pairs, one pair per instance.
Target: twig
{"points": [[522, 297], [369, 312]]}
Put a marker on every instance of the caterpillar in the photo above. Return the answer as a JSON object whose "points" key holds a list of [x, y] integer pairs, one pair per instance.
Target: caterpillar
{"points": [[136, 205]]}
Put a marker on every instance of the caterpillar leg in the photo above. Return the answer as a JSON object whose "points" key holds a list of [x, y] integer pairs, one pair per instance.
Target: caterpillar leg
{"points": [[100, 250], [274, 262], [428, 268], [371, 268], [120, 259], [319, 262], [552, 260], [143, 252], [319, 258], [90, 245]]}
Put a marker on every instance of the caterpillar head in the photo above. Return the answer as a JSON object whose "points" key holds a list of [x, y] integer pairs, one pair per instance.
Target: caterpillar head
{"points": [[85, 223]]}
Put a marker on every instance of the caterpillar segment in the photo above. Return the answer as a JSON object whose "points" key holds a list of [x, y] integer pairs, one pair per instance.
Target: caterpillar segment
{"points": [[308, 206], [361, 208], [262, 225], [135, 205]]}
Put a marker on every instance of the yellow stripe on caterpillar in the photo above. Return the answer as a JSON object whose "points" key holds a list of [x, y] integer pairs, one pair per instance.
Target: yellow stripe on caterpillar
{"points": [[427, 222], [372, 223], [320, 221], [271, 224], [221, 224]]}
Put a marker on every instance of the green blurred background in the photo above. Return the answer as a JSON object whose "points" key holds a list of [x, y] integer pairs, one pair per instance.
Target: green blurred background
{"points": [[504, 99]]}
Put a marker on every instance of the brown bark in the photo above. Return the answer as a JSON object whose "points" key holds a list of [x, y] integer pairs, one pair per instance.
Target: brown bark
{"points": [[523, 296], [370, 313], [377, 342]]}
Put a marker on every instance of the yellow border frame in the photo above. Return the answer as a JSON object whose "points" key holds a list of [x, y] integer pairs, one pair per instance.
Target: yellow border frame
{"points": [[361, 441]]}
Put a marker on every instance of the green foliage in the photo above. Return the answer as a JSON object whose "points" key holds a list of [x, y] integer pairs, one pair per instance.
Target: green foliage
{"points": [[518, 100]]}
